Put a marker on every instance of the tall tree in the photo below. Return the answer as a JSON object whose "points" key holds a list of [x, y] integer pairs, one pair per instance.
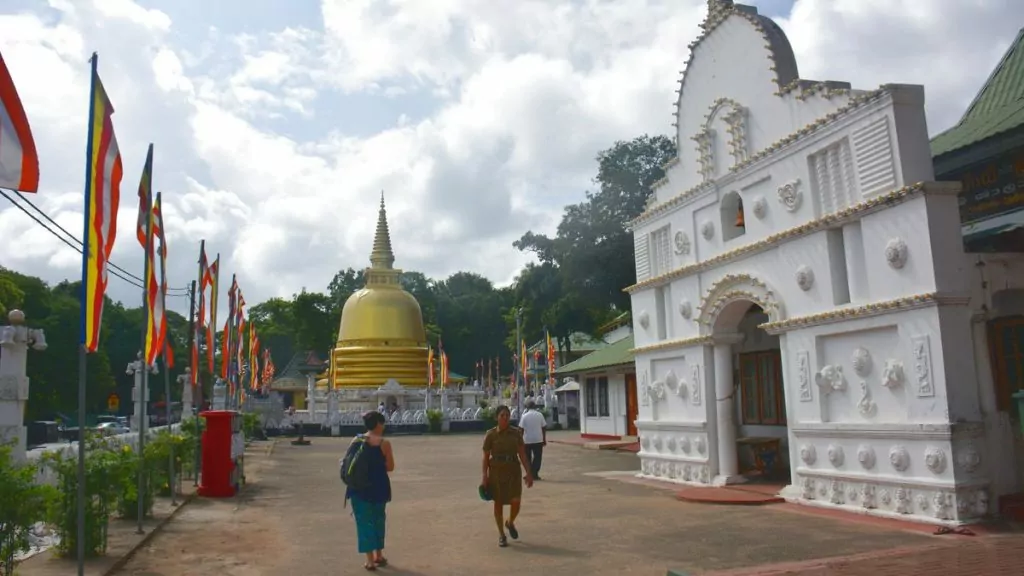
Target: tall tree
{"points": [[593, 245]]}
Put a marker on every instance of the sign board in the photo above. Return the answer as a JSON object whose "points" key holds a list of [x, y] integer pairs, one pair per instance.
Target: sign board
{"points": [[992, 202], [113, 402]]}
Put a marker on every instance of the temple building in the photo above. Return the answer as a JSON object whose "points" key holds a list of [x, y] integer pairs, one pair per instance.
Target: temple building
{"points": [[381, 336], [804, 308]]}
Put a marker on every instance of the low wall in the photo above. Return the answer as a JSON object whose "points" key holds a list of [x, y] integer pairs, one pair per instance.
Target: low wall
{"points": [[69, 450]]}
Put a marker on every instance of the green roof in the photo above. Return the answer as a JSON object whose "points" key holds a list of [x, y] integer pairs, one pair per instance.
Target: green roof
{"points": [[997, 108], [614, 354]]}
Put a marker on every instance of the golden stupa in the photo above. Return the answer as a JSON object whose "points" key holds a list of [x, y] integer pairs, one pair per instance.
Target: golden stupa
{"points": [[381, 336]]}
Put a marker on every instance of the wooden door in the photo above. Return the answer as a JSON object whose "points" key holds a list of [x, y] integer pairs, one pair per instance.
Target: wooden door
{"points": [[632, 410]]}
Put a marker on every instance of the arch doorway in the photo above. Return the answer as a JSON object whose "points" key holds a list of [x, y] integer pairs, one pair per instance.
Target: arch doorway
{"points": [[752, 416]]}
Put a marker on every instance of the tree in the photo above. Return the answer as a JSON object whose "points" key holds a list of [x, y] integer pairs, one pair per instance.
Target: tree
{"points": [[592, 245]]}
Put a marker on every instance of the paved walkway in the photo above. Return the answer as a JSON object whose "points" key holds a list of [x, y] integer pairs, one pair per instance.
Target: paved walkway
{"points": [[584, 518]]}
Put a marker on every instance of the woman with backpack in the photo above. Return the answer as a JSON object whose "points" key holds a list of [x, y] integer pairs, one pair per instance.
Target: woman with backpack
{"points": [[504, 452], [371, 493]]}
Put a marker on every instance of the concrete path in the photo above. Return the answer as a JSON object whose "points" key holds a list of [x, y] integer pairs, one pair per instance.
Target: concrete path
{"points": [[584, 518]]}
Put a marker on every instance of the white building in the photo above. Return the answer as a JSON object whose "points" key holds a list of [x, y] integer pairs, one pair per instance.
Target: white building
{"points": [[837, 318], [608, 391]]}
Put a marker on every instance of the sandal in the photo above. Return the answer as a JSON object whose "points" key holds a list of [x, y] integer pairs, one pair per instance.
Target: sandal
{"points": [[512, 530], [382, 561], [502, 541], [370, 567]]}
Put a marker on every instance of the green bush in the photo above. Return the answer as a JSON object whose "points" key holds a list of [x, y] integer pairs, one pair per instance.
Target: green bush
{"points": [[251, 426], [23, 503], [487, 415], [105, 477], [434, 418]]}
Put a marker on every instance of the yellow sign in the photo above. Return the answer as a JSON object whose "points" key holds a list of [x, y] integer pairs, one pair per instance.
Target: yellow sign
{"points": [[113, 402]]}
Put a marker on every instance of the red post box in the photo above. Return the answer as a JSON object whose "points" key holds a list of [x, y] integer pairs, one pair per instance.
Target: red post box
{"points": [[223, 450]]}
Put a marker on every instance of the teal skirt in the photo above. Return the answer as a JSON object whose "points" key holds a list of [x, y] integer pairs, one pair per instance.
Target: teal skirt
{"points": [[370, 519]]}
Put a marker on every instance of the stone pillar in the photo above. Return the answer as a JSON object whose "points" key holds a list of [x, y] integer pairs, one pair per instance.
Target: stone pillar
{"points": [[140, 393], [311, 396], [220, 395], [14, 342], [725, 409], [332, 413], [186, 394]]}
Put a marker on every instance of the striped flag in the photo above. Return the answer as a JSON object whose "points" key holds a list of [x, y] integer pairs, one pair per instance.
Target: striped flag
{"points": [[19, 163], [430, 366], [551, 357], [214, 282], [161, 304], [103, 173], [524, 363]]}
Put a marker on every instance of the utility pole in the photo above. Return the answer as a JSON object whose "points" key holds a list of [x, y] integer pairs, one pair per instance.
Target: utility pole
{"points": [[519, 365], [191, 343]]}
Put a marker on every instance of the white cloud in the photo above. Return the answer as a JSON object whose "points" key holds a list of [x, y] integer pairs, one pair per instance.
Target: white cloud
{"points": [[524, 94]]}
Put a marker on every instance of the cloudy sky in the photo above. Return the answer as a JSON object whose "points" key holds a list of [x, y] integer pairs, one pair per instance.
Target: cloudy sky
{"points": [[277, 124]]}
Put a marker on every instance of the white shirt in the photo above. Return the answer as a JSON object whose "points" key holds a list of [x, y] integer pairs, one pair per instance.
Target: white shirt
{"points": [[533, 424]]}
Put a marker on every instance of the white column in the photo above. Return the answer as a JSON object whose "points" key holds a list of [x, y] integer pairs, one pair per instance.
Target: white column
{"points": [[725, 410], [311, 396], [15, 340], [186, 394], [139, 399], [220, 395]]}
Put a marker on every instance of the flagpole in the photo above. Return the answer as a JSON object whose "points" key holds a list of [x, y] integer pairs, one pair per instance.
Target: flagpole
{"points": [[82, 358], [146, 318]]}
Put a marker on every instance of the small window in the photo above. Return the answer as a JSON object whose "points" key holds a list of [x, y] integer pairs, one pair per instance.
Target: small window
{"points": [[734, 221], [590, 389], [602, 396]]}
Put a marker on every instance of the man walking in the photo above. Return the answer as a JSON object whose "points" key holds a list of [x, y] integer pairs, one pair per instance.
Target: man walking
{"points": [[535, 436]]}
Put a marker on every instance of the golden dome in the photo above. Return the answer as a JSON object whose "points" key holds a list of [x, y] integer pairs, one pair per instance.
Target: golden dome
{"points": [[381, 335]]}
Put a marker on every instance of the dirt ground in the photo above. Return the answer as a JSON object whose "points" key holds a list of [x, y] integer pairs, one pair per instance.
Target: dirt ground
{"points": [[580, 520]]}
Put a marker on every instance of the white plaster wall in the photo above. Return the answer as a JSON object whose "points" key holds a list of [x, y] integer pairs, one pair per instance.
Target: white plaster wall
{"points": [[615, 423], [643, 306]]}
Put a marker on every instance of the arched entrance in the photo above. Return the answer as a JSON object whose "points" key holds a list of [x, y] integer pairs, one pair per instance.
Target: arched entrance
{"points": [[750, 411]]}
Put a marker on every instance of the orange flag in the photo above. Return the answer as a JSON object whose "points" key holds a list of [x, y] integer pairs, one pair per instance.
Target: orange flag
{"points": [[19, 163]]}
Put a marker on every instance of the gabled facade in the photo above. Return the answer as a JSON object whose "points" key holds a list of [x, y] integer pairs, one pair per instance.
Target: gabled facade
{"points": [[801, 305]]}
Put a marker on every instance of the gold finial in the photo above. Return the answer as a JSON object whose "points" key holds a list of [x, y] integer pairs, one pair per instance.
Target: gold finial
{"points": [[382, 257]]}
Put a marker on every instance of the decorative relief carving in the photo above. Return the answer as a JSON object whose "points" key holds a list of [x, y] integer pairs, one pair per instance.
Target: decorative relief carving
{"points": [[790, 195], [861, 361], [695, 397], [836, 492], [684, 444], [760, 207], [896, 253], [866, 406], [645, 441], [808, 454], [701, 445], [735, 119], [935, 459], [923, 366], [707, 229], [831, 378], [705, 154], [645, 319], [670, 444], [902, 500], [867, 496], [968, 457], [656, 442], [942, 504], [685, 309], [803, 362], [804, 277], [645, 393], [836, 455], [866, 456], [899, 458], [675, 384], [892, 374], [682, 242]]}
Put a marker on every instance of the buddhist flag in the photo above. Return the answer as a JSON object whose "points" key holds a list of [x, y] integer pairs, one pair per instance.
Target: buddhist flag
{"points": [[524, 362], [213, 279], [143, 227], [102, 196], [168, 354], [19, 163], [551, 357], [430, 366], [159, 309]]}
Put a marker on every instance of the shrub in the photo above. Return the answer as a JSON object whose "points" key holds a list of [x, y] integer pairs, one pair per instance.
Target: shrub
{"points": [[487, 415], [251, 425], [104, 481], [23, 503], [434, 418]]}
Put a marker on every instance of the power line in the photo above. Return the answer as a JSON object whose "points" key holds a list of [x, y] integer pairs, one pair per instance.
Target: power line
{"points": [[75, 244]]}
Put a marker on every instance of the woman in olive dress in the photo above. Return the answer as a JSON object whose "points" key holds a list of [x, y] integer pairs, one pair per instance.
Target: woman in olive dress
{"points": [[504, 454]]}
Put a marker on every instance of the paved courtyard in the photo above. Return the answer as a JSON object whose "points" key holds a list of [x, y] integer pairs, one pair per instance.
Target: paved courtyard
{"points": [[582, 519]]}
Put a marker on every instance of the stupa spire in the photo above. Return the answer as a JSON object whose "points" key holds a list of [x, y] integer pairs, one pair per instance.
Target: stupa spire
{"points": [[382, 257]]}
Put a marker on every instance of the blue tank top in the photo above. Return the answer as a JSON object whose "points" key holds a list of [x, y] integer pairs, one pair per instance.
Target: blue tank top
{"points": [[380, 483]]}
